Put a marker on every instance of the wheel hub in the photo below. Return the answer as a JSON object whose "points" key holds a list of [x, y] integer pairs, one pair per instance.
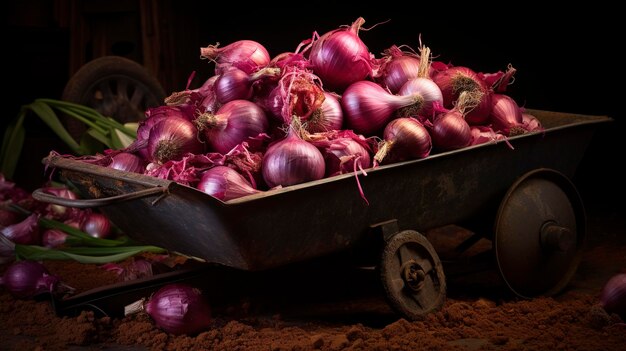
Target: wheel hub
{"points": [[413, 275]]}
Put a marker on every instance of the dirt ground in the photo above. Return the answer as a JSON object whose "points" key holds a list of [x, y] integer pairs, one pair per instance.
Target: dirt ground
{"points": [[320, 306]]}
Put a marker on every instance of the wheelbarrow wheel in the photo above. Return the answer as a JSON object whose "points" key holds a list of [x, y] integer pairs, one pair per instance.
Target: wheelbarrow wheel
{"points": [[412, 275], [114, 86], [539, 234]]}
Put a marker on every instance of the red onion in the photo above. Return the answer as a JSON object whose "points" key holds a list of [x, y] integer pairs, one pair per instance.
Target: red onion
{"points": [[57, 211], [429, 93], [531, 123], [232, 124], [398, 68], [292, 161], [143, 134], [97, 225], [186, 97], [53, 238], [8, 191], [138, 268], [273, 103], [171, 139], [328, 117], [456, 80], [25, 279], [247, 55], [613, 295], [8, 217], [450, 131], [368, 107], [75, 222], [340, 58], [207, 104], [506, 116], [159, 113], [176, 308], [225, 183], [235, 84], [343, 151], [405, 139], [25, 232], [127, 162], [7, 250]]}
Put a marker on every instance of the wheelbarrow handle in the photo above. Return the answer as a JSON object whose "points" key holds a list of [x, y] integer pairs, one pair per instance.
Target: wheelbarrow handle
{"points": [[40, 195]]}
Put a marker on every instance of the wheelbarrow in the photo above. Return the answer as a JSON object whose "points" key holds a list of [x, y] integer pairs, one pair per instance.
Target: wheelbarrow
{"points": [[524, 194]]}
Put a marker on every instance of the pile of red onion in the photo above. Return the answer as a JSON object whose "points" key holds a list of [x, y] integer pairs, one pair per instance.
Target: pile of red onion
{"points": [[327, 108]]}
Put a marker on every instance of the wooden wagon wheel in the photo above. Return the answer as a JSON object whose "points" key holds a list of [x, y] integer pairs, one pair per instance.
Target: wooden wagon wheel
{"points": [[114, 86], [412, 275], [539, 233]]}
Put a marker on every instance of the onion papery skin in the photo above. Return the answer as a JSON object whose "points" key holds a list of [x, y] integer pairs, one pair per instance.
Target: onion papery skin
{"points": [[26, 279], [405, 139], [232, 124], [368, 107], [428, 91], [482, 134], [531, 123], [506, 116], [450, 131], [341, 155], [171, 139], [179, 309], [246, 55], [292, 161], [225, 183], [127, 162], [340, 57], [454, 81], [328, 117]]}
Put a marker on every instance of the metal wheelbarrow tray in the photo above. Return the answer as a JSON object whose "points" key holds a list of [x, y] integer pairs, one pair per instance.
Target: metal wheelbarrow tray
{"points": [[524, 193]]}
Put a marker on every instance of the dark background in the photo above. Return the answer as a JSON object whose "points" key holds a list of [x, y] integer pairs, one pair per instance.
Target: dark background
{"points": [[567, 59]]}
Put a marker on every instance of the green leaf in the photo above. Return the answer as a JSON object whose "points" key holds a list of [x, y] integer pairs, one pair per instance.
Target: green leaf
{"points": [[50, 118], [90, 144], [105, 251], [116, 141], [34, 252], [81, 118], [12, 144], [101, 137]]}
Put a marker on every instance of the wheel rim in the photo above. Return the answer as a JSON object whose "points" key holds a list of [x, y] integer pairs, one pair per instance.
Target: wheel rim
{"points": [[539, 234], [114, 86], [412, 275], [121, 97]]}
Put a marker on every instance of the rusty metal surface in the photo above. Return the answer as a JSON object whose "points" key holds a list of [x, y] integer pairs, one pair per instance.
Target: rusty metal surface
{"points": [[299, 222]]}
